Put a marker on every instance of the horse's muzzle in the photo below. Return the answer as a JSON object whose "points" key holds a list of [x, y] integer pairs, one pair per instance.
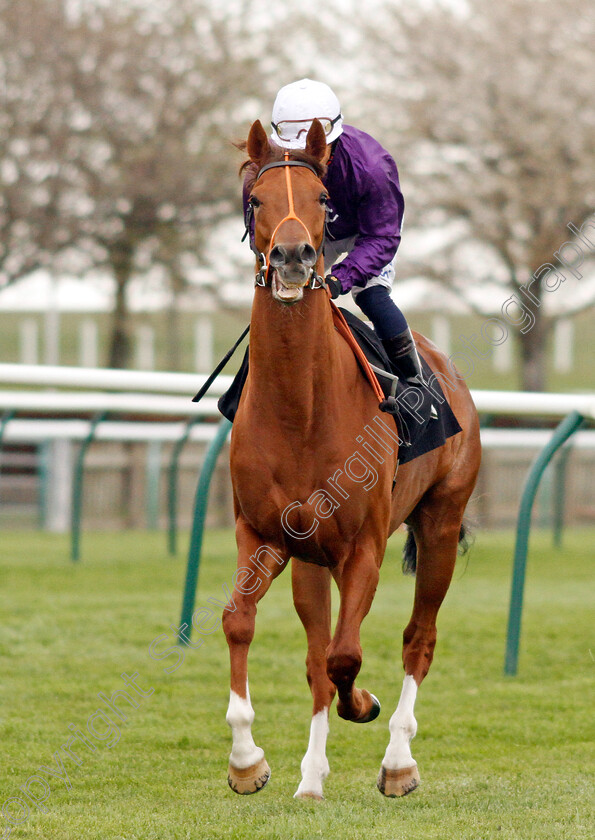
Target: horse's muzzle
{"points": [[283, 256], [292, 266]]}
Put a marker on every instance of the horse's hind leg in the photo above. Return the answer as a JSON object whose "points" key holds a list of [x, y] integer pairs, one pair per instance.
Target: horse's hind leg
{"points": [[258, 565], [437, 536], [312, 599]]}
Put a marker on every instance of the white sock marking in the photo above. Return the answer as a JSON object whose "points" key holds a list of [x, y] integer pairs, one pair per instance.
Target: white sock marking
{"points": [[403, 727], [315, 767], [240, 716]]}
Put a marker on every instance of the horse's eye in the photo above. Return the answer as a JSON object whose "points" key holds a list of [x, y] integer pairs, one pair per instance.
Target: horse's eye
{"points": [[323, 199], [253, 201]]}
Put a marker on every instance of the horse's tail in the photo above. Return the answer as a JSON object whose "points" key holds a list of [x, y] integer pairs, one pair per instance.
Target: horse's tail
{"points": [[410, 548]]}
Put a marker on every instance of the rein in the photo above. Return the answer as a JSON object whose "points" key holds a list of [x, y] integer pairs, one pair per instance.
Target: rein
{"points": [[315, 281]]}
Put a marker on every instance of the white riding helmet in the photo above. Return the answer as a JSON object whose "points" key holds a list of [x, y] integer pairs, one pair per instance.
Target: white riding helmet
{"points": [[297, 105]]}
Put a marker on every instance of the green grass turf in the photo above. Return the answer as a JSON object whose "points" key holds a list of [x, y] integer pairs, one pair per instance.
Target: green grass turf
{"points": [[499, 757]]}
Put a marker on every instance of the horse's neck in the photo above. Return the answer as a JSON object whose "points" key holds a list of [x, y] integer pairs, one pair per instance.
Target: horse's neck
{"points": [[293, 359]]}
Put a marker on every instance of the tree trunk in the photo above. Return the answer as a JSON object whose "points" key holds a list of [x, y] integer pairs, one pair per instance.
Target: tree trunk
{"points": [[533, 347], [120, 351], [173, 320]]}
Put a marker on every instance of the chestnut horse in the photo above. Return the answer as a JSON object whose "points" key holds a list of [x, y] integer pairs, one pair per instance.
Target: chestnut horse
{"points": [[303, 490]]}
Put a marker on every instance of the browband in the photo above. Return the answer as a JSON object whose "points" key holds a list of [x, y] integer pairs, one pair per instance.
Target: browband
{"points": [[276, 163]]}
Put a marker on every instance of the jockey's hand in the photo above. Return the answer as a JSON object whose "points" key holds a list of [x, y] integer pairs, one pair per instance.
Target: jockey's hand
{"points": [[334, 285]]}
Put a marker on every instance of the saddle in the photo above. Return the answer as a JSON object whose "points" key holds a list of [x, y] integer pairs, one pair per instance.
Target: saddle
{"points": [[418, 427]]}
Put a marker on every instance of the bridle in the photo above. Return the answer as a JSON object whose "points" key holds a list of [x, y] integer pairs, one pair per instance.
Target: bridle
{"points": [[262, 278], [314, 281]]}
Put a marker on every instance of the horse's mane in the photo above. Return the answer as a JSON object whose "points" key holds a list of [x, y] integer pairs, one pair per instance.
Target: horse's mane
{"points": [[276, 153]]}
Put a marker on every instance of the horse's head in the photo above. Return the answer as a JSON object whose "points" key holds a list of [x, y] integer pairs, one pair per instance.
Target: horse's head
{"points": [[289, 205]]}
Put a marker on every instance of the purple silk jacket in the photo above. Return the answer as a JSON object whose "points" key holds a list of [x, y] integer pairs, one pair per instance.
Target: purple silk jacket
{"points": [[365, 202]]}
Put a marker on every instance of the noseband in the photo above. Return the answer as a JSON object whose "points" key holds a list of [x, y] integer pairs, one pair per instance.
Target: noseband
{"points": [[315, 281]]}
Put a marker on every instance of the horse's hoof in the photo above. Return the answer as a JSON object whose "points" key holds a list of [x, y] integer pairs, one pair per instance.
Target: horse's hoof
{"points": [[344, 711], [249, 779], [374, 708], [398, 782], [308, 796]]}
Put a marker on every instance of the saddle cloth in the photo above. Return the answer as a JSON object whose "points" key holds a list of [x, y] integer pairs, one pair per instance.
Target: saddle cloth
{"points": [[417, 428]]}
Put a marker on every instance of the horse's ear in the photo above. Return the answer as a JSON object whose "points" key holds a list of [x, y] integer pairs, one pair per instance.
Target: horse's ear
{"points": [[257, 145], [316, 141]]}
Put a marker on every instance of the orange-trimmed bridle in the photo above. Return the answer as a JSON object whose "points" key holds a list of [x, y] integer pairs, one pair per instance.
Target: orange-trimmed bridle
{"points": [[314, 281]]}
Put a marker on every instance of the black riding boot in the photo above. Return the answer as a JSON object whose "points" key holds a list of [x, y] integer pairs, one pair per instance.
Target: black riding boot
{"points": [[403, 356]]}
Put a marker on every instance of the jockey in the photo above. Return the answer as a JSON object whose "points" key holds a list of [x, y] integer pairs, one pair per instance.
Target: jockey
{"points": [[365, 213]]}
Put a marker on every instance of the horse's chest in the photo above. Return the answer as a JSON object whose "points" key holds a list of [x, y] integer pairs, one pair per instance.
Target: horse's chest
{"points": [[308, 504], [263, 483]]}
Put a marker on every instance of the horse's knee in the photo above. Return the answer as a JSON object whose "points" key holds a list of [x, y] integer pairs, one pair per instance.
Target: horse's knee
{"points": [[238, 625], [343, 666]]}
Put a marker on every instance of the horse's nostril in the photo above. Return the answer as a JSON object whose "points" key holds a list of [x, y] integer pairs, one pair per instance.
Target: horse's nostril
{"points": [[278, 256], [307, 255]]}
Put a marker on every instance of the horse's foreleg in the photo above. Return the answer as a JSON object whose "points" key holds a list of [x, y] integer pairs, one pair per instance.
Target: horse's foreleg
{"points": [[312, 599], [258, 565], [437, 541], [357, 584]]}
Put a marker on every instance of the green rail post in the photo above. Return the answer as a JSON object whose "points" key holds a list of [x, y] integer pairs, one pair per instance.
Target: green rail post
{"points": [[563, 431], [172, 495], [77, 487], [42, 504], [559, 497], [198, 524]]}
